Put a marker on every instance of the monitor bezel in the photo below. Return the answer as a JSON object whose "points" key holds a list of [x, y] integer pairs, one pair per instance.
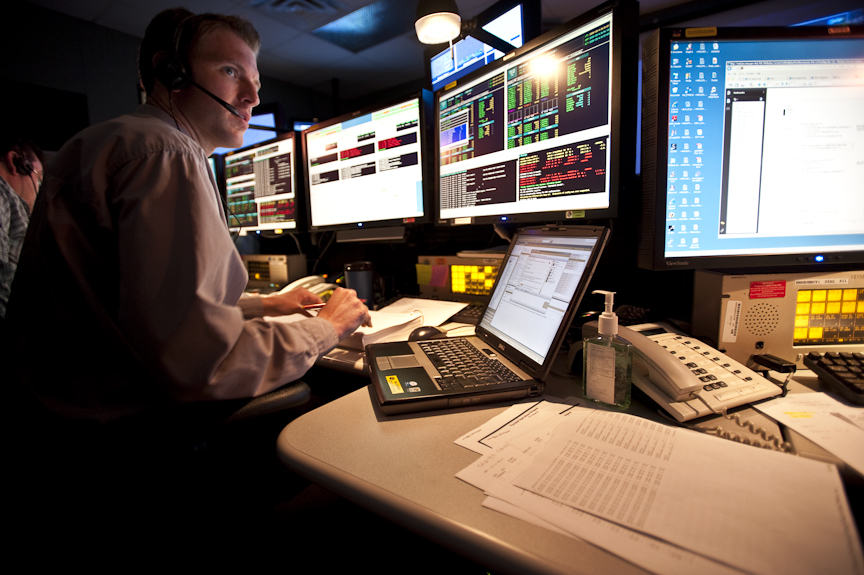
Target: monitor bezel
{"points": [[424, 99], [299, 213], [655, 143], [622, 100]]}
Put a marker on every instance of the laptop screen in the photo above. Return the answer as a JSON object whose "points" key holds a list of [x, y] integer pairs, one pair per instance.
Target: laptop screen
{"points": [[535, 290]]}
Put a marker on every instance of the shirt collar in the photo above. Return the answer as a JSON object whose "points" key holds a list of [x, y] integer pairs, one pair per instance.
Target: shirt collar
{"points": [[5, 188], [159, 113]]}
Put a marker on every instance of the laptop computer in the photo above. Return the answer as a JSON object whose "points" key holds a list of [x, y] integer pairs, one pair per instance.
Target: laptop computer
{"points": [[543, 278]]}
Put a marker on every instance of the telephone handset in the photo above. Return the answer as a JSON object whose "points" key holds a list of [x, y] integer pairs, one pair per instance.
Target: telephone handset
{"points": [[688, 378], [316, 284]]}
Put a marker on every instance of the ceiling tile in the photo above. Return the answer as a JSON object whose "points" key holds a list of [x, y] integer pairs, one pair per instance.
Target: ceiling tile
{"points": [[128, 19], [87, 10], [295, 73], [370, 25], [194, 6], [303, 15], [470, 8], [309, 50], [404, 53], [354, 69], [272, 31]]}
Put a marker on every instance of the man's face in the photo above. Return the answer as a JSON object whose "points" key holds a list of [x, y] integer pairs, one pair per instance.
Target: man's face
{"points": [[37, 172], [224, 64]]}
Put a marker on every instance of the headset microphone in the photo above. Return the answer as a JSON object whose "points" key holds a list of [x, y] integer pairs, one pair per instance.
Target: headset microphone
{"points": [[221, 102]]}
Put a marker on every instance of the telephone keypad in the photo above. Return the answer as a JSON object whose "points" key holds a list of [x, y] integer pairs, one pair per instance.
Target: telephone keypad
{"points": [[714, 370]]}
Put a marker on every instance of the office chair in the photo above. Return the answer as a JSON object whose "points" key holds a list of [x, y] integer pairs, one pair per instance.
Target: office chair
{"points": [[180, 474]]}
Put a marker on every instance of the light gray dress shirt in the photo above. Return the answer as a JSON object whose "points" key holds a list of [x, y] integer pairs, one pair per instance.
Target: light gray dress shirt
{"points": [[127, 290]]}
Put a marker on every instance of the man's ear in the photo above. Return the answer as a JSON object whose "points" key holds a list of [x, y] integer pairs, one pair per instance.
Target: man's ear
{"points": [[9, 161]]}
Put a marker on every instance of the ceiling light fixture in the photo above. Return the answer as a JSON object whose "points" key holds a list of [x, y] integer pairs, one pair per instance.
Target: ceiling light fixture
{"points": [[437, 21]]}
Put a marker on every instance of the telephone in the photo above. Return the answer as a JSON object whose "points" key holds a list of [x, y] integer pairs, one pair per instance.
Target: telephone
{"points": [[686, 377], [316, 284]]}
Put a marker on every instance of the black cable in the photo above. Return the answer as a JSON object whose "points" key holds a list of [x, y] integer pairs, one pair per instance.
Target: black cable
{"points": [[297, 242], [321, 255], [171, 107]]}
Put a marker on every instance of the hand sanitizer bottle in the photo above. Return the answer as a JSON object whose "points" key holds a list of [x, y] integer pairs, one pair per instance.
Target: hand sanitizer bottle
{"points": [[606, 363]]}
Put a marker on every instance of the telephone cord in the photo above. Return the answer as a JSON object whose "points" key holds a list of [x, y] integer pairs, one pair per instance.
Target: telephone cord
{"points": [[768, 441]]}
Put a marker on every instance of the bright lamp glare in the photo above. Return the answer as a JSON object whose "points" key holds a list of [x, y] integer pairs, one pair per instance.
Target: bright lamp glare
{"points": [[438, 28], [543, 66]]}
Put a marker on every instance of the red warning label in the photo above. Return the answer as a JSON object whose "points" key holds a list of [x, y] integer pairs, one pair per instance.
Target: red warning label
{"points": [[764, 290]]}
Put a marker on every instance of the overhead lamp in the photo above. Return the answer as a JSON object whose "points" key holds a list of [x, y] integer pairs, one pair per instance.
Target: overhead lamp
{"points": [[437, 21]]}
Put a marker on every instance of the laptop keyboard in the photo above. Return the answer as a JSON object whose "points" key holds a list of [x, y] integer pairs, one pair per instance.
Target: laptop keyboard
{"points": [[462, 365]]}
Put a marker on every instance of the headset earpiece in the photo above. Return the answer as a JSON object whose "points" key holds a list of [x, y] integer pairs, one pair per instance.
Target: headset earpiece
{"points": [[170, 73], [22, 164]]}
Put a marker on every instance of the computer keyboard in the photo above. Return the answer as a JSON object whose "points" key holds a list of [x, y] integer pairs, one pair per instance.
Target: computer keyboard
{"points": [[842, 371], [463, 365], [470, 314]]}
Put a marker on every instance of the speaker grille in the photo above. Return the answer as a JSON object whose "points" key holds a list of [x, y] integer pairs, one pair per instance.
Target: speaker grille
{"points": [[762, 319]]}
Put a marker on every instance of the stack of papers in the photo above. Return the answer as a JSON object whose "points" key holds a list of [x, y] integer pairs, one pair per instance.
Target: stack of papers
{"points": [[835, 426], [392, 323], [435, 312], [667, 499], [385, 327]]}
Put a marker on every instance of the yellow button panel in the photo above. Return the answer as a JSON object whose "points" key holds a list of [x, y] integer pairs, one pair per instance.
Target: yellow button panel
{"points": [[829, 316], [259, 270], [472, 280]]}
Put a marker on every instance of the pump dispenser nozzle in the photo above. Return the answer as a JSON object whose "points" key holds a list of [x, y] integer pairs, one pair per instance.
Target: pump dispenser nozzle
{"points": [[607, 368], [608, 324]]}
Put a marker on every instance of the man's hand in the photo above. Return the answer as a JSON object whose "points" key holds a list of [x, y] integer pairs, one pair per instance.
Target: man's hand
{"points": [[290, 302], [345, 312]]}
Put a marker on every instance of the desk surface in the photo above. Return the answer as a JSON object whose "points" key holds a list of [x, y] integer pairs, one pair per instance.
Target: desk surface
{"points": [[403, 468]]}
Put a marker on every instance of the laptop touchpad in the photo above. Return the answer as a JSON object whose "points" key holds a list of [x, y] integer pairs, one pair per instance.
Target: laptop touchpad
{"points": [[400, 361]]}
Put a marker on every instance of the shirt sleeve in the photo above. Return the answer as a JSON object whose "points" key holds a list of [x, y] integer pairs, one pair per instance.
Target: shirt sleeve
{"points": [[7, 267], [179, 282], [251, 306]]}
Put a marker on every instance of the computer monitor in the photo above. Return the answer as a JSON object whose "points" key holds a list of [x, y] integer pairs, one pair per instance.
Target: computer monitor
{"points": [[260, 183], [514, 21], [753, 148], [266, 122], [538, 136], [366, 168]]}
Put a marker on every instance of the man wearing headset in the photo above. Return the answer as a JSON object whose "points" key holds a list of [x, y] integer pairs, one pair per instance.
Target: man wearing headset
{"points": [[128, 257], [20, 178]]}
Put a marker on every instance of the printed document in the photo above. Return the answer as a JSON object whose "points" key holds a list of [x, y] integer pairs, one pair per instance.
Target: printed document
{"points": [[527, 427], [832, 425], [757, 510]]}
